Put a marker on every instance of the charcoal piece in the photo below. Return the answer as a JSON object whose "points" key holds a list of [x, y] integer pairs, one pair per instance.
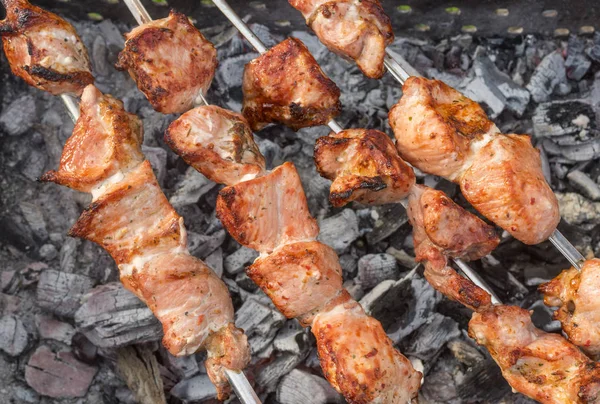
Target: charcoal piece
{"points": [[440, 387], [577, 63], [291, 338], [9, 304], [594, 51], [50, 328], [58, 375], [349, 265], [465, 352], [356, 291], [403, 258], [13, 335], [202, 245], [33, 166], [215, 261], [139, 367], [583, 183], [182, 366], [68, 254], [585, 151], [244, 281], [236, 262], [428, 340], [558, 118], [19, 116], [32, 213], [547, 76], [483, 383], [299, 387], [268, 376], [61, 292], [196, 388], [83, 349], [376, 268], [389, 218], [48, 252], [158, 158], [191, 188], [575, 209], [99, 57], [23, 394], [271, 151], [339, 231], [259, 320], [111, 316]]}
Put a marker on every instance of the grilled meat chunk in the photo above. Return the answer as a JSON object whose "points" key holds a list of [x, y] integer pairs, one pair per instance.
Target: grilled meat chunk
{"points": [[267, 212], [356, 29], [545, 367], [435, 126], [106, 143], [359, 359], [442, 229], [218, 143], [286, 85], [44, 49], [506, 184], [171, 62], [132, 219], [364, 166], [575, 294]]}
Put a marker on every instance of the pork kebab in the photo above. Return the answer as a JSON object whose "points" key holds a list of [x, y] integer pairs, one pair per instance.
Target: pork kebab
{"points": [[129, 216]]}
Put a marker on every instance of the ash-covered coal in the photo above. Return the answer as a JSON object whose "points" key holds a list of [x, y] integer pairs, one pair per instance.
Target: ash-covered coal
{"points": [[64, 319]]}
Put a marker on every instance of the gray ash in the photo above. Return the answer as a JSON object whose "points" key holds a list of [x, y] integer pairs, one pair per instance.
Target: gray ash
{"points": [[60, 300]]}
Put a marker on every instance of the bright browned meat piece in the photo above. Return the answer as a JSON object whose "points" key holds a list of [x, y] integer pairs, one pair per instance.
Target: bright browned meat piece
{"points": [[364, 166], [506, 184], [442, 229], [299, 277], [44, 49], [218, 143], [133, 220], [267, 212], [359, 359], [171, 62], [545, 367], [357, 29], [435, 126], [286, 85], [106, 142], [576, 294]]}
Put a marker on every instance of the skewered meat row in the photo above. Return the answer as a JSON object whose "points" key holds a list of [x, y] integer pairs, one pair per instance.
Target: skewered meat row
{"points": [[171, 62], [267, 211], [131, 218], [442, 132], [575, 293], [356, 29], [286, 85], [44, 49]]}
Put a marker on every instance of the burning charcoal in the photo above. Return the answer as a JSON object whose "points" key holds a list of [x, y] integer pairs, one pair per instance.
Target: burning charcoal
{"points": [[19, 116], [376, 268], [48, 252], [215, 261], [61, 292], [559, 118], [111, 316], [197, 388], [299, 387], [13, 335], [50, 328], [388, 219], [339, 231], [465, 352], [432, 337], [292, 338], [483, 383], [576, 209], [260, 320], [547, 76], [577, 63], [236, 262], [191, 188], [268, 376], [158, 158], [32, 214], [58, 375], [202, 245], [583, 183]]}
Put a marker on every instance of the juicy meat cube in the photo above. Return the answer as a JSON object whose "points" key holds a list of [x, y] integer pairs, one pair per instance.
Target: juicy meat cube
{"points": [[155, 227], [506, 184], [171, 62], [364, 166], [299, 278], [435, 126], [44, 49], [545, 367], [442, 229], [576, 294], [359, 359], [286, 85], [106, 141], [267, 212], [357, 29], [218, 143]]}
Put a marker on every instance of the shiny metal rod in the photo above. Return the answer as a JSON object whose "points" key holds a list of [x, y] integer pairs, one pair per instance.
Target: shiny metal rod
{"points": [[138, 11], [567, 249], [244, 391], [476, 279]]}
